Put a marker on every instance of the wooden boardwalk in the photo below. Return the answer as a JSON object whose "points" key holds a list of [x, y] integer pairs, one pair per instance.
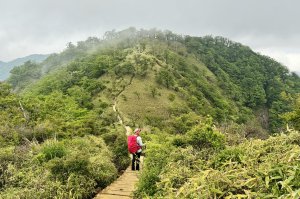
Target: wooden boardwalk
{"points": [[123, 187]]}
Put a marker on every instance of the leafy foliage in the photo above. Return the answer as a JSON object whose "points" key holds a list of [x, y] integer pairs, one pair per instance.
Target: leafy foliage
{"points": [[67, 169], [253, 169], [203, 136], [22, 76], [293, 117], [59, 136]]}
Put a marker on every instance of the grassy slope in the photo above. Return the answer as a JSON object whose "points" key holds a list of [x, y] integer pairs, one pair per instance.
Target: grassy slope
{"points": [[137, 102]]}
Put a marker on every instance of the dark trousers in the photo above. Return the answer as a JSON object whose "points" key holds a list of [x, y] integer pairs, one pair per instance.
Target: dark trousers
{"points": [[135, 164]]}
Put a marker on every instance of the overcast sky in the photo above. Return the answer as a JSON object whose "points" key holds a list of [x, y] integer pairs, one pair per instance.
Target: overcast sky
{"points": [[270, 27]]}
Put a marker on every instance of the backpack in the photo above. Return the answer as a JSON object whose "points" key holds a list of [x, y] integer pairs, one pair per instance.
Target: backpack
{"points": [[133, 147]]}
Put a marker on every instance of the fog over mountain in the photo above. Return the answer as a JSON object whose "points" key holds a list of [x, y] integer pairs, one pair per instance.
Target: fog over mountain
{"points": [[5, 67], [269, 27]]}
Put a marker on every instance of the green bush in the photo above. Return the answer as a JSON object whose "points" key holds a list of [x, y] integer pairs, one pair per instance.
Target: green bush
{"points": [[120, 151], [62, 168], [157, 158], [116, 139], [53, 149], [6, 157], [226, 155], [204, 136], [109, 138], [154, 120], [179, 141], [184, 123], [102, 170], [72, 168], [171, 97], [253, 169], [182, 163]]}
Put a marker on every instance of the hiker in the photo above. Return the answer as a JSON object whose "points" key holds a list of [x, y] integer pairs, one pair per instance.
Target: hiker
{"points": [[135, 145]]}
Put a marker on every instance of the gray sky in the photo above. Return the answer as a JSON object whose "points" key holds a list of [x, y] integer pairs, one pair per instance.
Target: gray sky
{"points": [[45, 26]]}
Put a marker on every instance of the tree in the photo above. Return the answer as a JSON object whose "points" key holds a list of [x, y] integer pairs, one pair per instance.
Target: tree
{"points": [[25, 74], [165, 78], [293, 117], [81, 96]]}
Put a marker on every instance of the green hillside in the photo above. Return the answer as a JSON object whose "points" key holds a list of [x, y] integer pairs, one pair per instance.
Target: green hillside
{"points": [[5, 67], [198, 99]]}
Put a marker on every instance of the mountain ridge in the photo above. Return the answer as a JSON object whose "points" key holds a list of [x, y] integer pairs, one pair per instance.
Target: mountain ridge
{"points": [[5, 67], [217, 72], [198, 100]]}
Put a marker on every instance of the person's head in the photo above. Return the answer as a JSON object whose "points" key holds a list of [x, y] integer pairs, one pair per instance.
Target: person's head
{"points": [[137, 131]]}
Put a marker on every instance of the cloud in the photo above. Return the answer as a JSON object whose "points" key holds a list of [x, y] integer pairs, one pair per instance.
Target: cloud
{"points": [[35, 26], [289, 59]]}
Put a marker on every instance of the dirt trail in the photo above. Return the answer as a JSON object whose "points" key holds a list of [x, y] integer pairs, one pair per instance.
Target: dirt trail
{"points": [[124, 186]]}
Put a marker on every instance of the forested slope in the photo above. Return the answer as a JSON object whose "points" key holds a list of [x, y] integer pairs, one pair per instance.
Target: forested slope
{"points": [[204, 95], [6, 67]]}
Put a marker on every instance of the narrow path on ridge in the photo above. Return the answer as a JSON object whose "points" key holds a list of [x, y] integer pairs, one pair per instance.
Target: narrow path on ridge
{"points": [[124, 186]]}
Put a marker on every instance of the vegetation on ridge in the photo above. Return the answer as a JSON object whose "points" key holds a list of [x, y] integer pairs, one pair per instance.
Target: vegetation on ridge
{"points": [[201, 98]]}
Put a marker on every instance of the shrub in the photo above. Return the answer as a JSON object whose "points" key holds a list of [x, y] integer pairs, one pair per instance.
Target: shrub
{"points": [[117, 142], [184, 123], [253, 129], [109, 138], [182, 163], [229, 154], [102, 170], [234, 133], [6, 156], [179, 141], [120, 151], [72, 168], [253, 169], [52, 149], [154, 120], [204, 136], [171, 97], [43, 131], [157, 158], [62, 168]]}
